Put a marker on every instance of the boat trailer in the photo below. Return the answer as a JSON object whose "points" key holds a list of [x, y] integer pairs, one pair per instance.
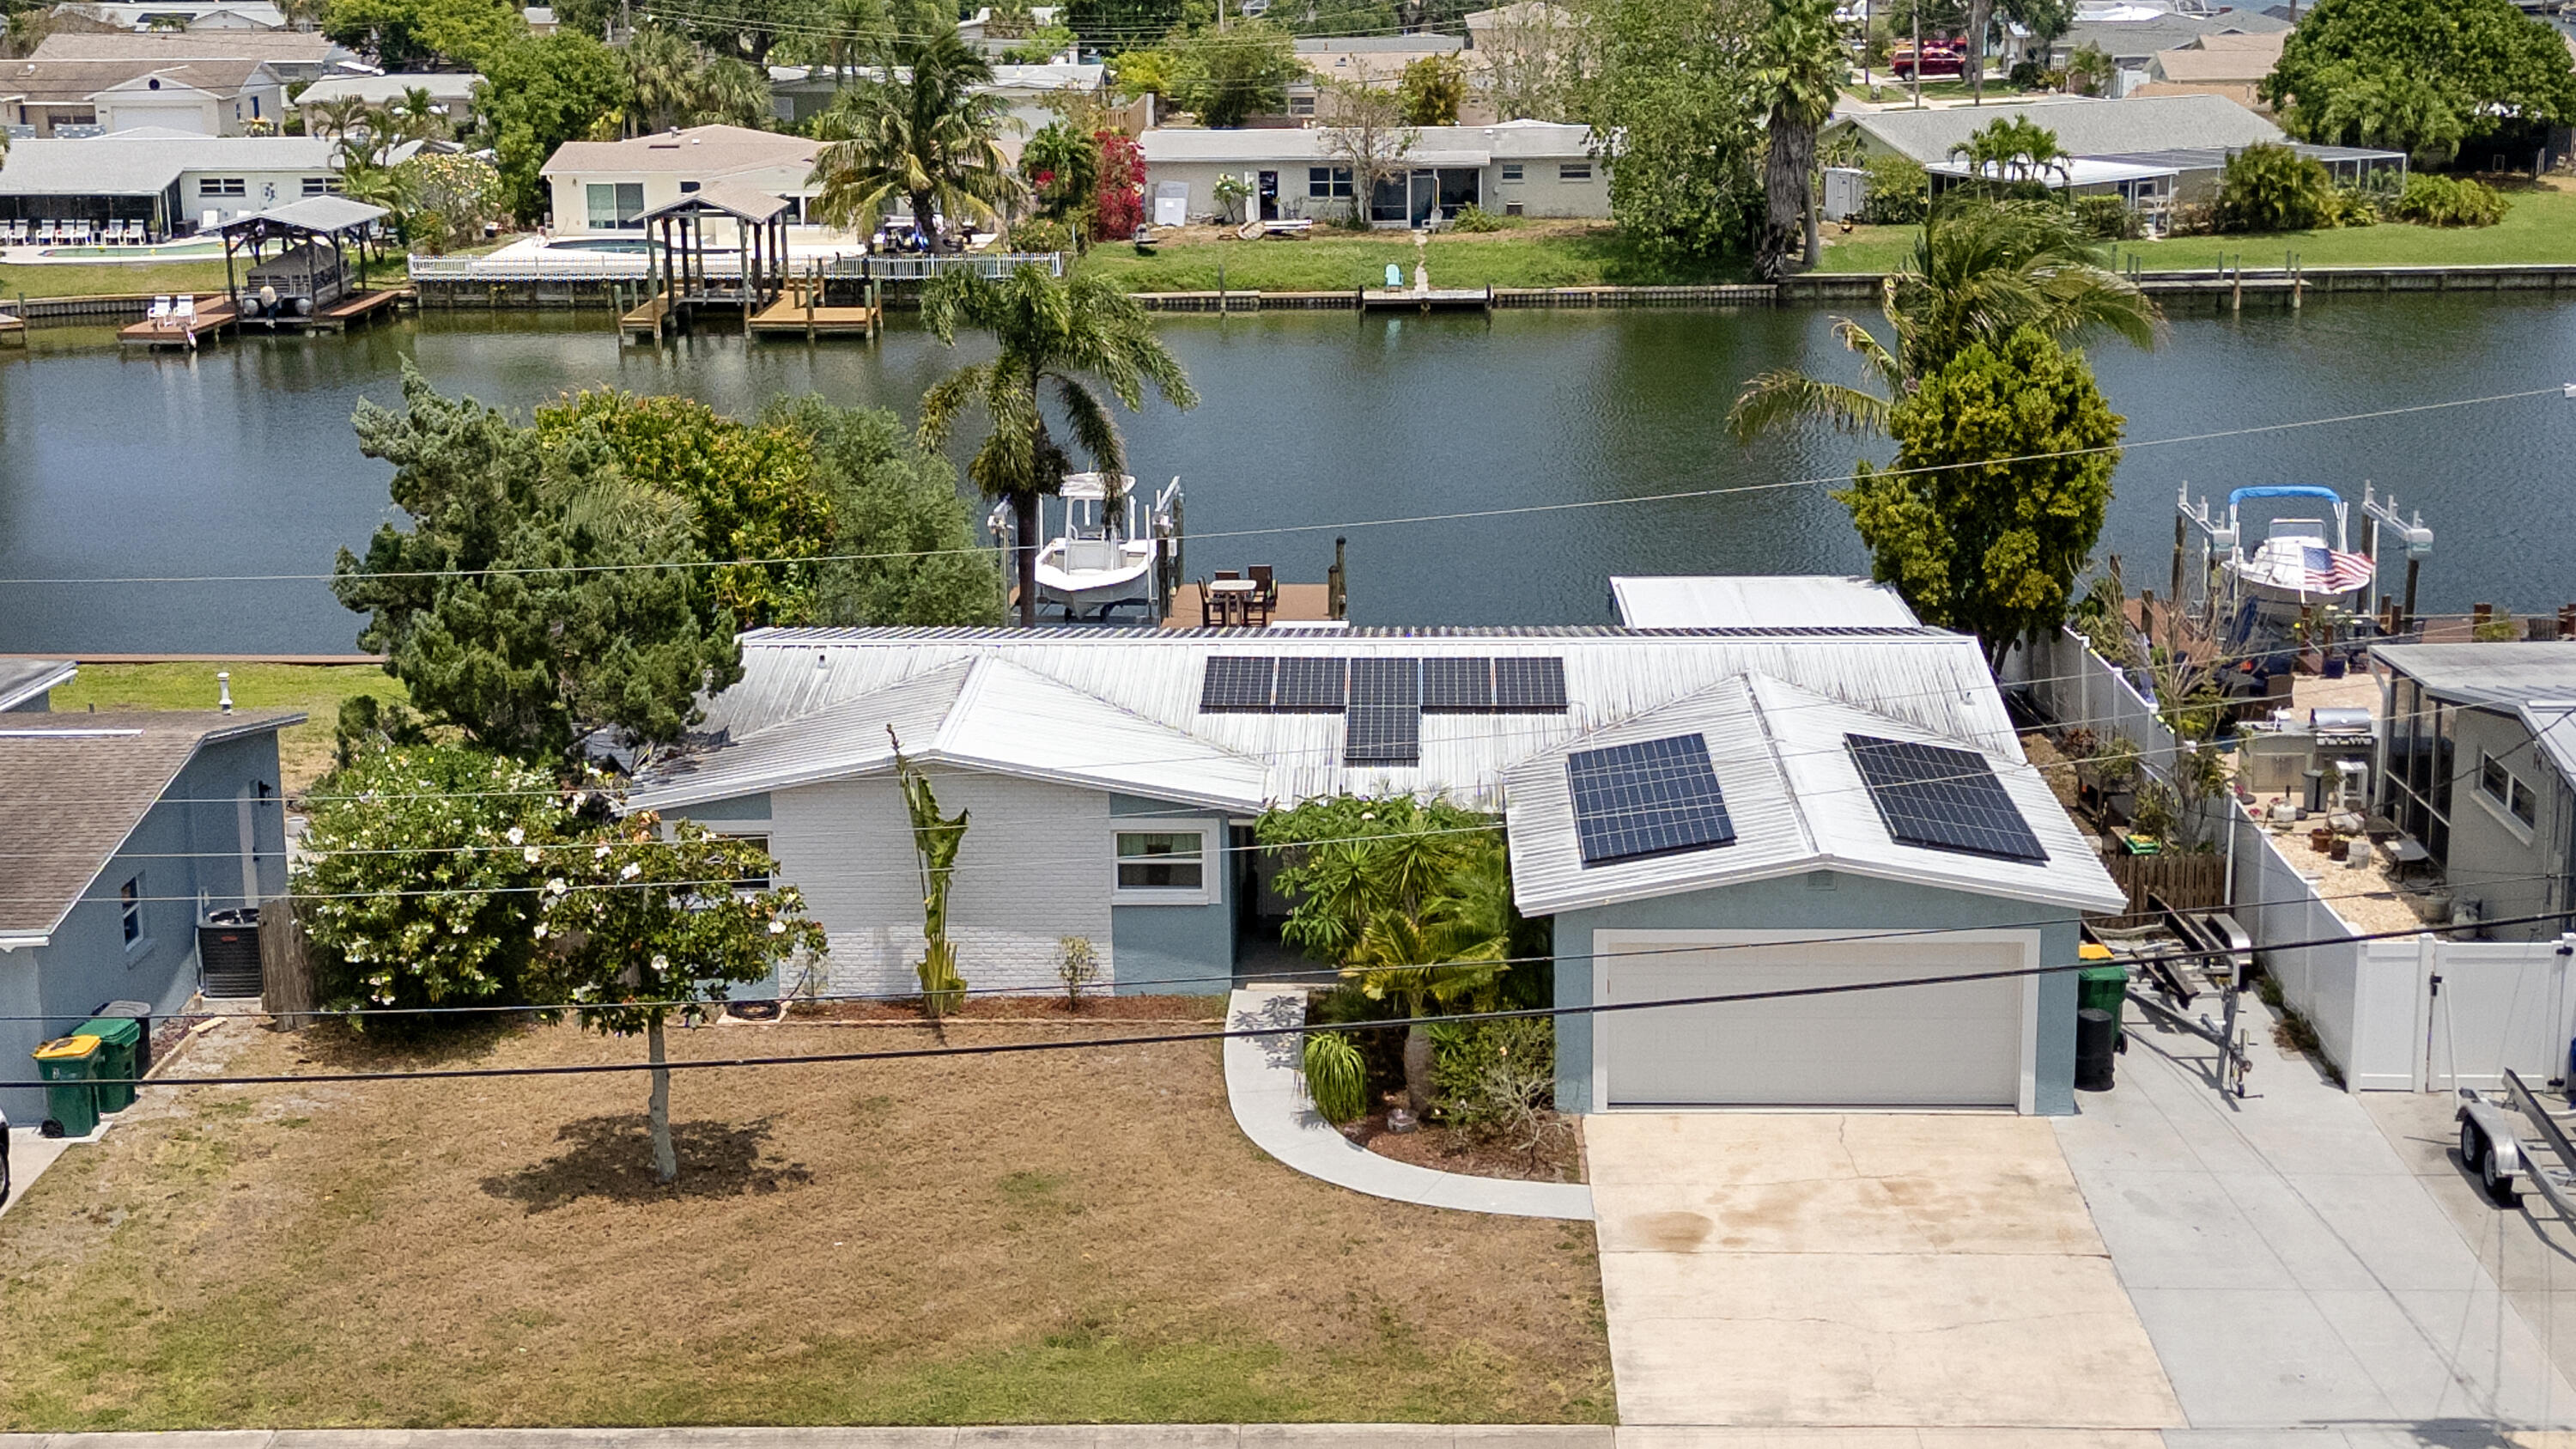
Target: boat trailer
{"points": [[2498, 1137], [2222, 951]]}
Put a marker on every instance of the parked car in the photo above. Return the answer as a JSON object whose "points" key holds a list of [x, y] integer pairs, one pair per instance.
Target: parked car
{"points": [[1938, 60]]}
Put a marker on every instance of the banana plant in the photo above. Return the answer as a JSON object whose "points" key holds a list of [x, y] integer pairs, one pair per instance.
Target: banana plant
{"points": [[935, 841]]}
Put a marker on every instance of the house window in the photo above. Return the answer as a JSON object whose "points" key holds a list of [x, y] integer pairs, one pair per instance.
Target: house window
{"points": [[1511, 171], [2506, 789], [1328, 181], [687, 186], [223, 186], [129, 905], [317, 185], [1163, 865], [753, 880], [614, 206], [1301, 105], [1574, 171]]}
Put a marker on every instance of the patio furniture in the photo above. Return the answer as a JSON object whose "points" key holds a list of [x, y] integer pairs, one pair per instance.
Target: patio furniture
{"points": [[159, 315], [183, 313], [1234, 598], [1265, 594]]}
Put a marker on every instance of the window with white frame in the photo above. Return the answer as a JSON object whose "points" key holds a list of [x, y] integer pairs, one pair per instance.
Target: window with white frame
{"points": [[1163, 866], [1511, 171], [752, 880], [129, 906], [1301, 105], [1324, 182], [614, 205], [1574, 171], [2506, 789], [223, 186]]}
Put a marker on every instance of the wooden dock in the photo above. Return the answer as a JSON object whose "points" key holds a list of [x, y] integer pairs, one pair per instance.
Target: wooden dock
{"points": [[359, 310], [1298, 604], [645, 323], [1435, 299], [214, 315], [789, 316], [13, 326]]}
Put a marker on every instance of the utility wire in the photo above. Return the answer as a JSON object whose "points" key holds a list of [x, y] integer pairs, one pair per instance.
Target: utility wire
{"points": [[1300, 1029]]}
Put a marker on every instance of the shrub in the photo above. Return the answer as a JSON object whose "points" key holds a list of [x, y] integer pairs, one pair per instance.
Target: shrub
{"points": [[2355, 206], [2026, 75], [452, 197], [1335, 1077], [1077, 965], [2109, 218], [2499, 628], [2450, 201], [1040, 234], [1472, 217], [2273, 188], [1900, 194], [1496, 1079]]}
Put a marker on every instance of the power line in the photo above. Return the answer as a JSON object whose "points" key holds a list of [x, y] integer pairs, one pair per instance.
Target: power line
{"points": [[1458, 516], [1300, 1029]]}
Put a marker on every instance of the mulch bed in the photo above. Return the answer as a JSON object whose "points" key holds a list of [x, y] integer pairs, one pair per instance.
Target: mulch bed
{"points": [[1105, 1009], [1446, 1149]]}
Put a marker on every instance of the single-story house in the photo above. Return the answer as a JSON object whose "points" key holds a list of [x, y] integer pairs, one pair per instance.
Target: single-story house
{"points": [[124, 829], [1699, 810], [188, 15], [28, 685], [450, 92], [207, 97], [2477, 762], [2233, 66], [2134, 43], [798, 93], [174, 184], [1514, 168], [607, 186], [293, 56]]}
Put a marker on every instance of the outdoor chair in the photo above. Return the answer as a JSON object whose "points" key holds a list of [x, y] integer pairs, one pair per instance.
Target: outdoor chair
{"points": [[1207, 605], [14, 233], [159, 316], [1265, 597], [184, 312]]}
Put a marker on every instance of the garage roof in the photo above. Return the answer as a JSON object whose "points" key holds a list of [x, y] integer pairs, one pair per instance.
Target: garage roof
{"points": [[1735, 601], [1797, 803]]}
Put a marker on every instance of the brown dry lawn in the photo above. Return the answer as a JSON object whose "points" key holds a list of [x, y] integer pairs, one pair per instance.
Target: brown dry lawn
{"points": [[1047, 1237]]}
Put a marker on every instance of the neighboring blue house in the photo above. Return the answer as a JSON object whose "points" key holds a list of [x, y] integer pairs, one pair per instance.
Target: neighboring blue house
{"points": [[1703, 806], [123, 830]]}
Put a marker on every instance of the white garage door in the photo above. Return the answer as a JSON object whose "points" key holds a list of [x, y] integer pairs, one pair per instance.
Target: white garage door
{"points": [[1950, 1045]]}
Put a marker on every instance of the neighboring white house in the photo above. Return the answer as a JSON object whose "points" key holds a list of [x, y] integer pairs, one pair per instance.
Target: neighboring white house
{"points": [[797, 94], [170, 182], [450, 92], [1516, 168], [607, 186], [208, 97], [1698, 810], [191, 15], [293, 56]]}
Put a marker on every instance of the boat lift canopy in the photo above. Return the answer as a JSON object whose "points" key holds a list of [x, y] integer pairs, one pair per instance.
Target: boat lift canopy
{"points": [[2285, 490]]}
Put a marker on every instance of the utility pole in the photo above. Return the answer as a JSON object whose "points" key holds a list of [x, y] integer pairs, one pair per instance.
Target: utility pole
{"points": [[1868, 31], [1918, 54]]}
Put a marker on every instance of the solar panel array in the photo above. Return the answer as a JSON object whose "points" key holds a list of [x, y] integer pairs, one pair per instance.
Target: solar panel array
{"points": [[1529, 686], [1457, 686], [1310, 686], [1658, 797], [1384, 724], [1236, 684], [1382, 697], [1942, 799]]}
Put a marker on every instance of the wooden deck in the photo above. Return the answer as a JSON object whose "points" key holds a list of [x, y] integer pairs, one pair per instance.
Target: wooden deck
{"points": [[789, 316], [356, 311], [13, 326], [1437, 299], [214, 315], [1298, 604], [645, 323]]}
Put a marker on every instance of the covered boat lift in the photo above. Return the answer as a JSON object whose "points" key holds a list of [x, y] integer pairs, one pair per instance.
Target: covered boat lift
{"points": [[687, 284], [307, 281]]}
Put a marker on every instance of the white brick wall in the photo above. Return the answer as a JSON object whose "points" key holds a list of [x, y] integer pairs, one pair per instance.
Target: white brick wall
{"points": [[1035, 867]]}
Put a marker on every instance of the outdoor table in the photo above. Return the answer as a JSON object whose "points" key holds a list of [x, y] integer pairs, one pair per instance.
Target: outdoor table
{"points": [[1234, 598]]}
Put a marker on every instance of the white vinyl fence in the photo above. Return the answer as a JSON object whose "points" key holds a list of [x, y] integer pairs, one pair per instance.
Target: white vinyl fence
{"points": [[2070, 685]]}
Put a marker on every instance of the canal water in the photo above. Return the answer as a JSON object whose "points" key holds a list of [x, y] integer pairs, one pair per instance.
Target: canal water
{"points": [[240, 461]]}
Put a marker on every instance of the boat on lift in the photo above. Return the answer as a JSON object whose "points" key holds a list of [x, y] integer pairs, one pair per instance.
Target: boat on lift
{"points": [[1108, 543], [2295, 566]]}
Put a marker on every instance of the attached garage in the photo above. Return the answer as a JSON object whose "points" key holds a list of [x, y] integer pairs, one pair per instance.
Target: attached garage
{"points": [[1965, 1044]]}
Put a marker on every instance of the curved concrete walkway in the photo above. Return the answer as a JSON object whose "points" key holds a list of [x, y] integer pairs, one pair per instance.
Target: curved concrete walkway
{"points": [[1265, 1087]]}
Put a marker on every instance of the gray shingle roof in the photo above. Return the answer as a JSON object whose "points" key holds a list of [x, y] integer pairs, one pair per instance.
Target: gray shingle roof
{"points": [[292, 47], [2083, 127], [54, 81], [73, 786], [142, 165], [2138, 39]]}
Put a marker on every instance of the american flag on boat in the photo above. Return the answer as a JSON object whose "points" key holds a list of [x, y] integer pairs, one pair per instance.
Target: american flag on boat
{"points": [[2332, 571]]}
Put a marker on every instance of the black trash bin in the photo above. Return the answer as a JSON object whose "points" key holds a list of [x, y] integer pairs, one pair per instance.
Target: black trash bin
{"points": [[2097, 1034], [228, 952]]}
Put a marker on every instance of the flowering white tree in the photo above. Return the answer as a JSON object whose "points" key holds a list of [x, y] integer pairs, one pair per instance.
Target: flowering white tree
{"points": [[641, 925]]}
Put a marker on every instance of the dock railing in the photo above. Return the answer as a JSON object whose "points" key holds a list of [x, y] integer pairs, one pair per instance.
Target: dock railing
{"points": [[631, 266]]}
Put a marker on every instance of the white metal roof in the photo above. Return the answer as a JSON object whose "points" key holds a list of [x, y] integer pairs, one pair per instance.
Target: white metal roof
{"points": [[1797, 803], [128, 164], [2080, 171], [2501, 674], [1755, 601], [1460, 145], [838, 687], [2083, 127], [2552, 723]]}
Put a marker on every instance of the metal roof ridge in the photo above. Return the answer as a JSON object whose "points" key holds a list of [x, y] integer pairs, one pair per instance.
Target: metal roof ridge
{"points": [[1753, 681]]}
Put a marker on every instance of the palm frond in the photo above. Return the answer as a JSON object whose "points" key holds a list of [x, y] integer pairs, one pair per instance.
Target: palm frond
{"points": [[1784, 395]]}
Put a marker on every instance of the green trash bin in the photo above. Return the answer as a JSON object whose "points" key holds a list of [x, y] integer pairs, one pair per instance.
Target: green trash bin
{"points": [[118, 1038], [2106, 987], [65, 1067]]}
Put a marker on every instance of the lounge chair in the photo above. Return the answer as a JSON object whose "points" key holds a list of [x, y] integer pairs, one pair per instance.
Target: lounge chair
{"points": [[184, 312], [159, 316]]}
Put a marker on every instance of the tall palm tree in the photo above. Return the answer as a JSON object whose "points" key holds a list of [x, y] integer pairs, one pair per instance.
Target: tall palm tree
{"points": [[922, 131], [1800, 71], [2016, 149], [732, 91], [662, 75], [852, 28], [334, 119], [1055, 335], [1980, 272]]}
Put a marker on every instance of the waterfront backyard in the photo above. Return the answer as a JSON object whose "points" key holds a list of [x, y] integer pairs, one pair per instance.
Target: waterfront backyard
{"points": [[1034, 1238]]}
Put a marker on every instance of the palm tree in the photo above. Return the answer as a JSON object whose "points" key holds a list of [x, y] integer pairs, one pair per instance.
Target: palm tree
{"points": [[732, 91], [921, 131], [1800, 72], [2016, 149], [1980, 272], [1064, 334], [853, 28], [1453, 944], [662, 75], [334, 119]]}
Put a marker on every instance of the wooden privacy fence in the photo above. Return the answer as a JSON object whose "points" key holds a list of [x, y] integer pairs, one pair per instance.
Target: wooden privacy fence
{"points": [[285, 964], [2187, 882]]}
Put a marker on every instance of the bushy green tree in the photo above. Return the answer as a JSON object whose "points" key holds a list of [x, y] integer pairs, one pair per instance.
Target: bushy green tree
{"points": [[2002, 475], [539, 593], [2273, 188], [417, 876], [1062, 166], [647, 924], [539, 93], [1433, 88], [419, 34], [904, 544], [452, 195], [2421, 76], [1674, 87], [1225, 75]]}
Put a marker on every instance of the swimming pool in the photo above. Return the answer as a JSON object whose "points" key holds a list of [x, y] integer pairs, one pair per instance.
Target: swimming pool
{"points": [[210, 247]]}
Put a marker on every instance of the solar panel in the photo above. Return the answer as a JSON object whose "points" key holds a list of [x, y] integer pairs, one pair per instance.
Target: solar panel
{"points": [[1942, 799], [1659, 797], [1457, 686], [1389, 682], [1382, 734], [1310, 686], [1529, 686], [1235, 684]]}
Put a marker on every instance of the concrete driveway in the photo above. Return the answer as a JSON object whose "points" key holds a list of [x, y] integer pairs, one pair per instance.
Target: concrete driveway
{"points": [[1864, 1270], [2300, 1284]]}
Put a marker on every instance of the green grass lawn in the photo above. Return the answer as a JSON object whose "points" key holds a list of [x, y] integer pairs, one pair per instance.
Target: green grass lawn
{"points": [[1340, 261], [304, 751], [2541, 227], [90, 279]]}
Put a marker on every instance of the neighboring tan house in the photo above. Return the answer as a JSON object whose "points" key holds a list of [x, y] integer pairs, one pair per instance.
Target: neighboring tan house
{"points": [[2477, 763], [2233, 66], [1514, 168], [1377, 62], [451, 93], [123, 830], [206, 97], [188, 15], [2133, 44], [1697, 809], [172, 184], [295, 57], [607, 186], [798, 94]]}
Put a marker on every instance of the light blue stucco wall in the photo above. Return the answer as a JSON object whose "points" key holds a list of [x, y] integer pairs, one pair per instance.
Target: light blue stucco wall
{"points": [[187, 845], [1175, 950], [1796, 903], [741, 809]]}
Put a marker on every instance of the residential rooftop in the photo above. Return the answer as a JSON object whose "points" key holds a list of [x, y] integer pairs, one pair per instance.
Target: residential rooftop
{"points": [[2504, 675], [1432, 146], [708, 151], [132, 163], [56, 81], [306, 47], [2083, 126], [22, 680]]}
